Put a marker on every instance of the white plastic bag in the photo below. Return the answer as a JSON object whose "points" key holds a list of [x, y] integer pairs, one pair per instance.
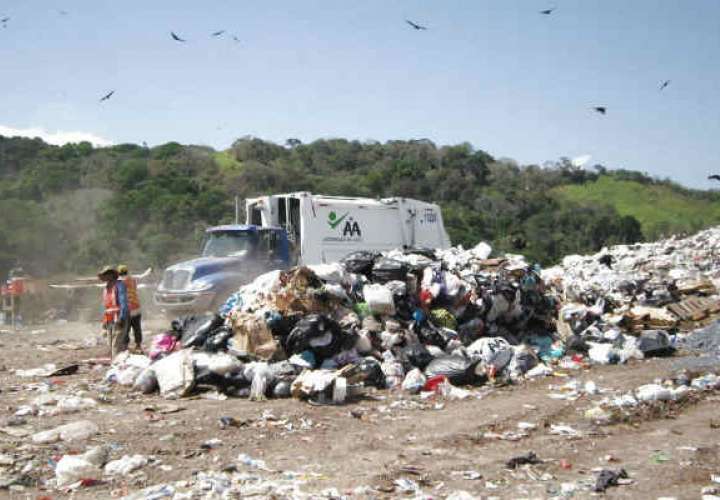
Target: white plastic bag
{"points": [[260, 379], [333, 273], [653, 392], [486, 348], [393, 370], [414, 381], [219, 363], [481, 251], [175, 374], [74, 431], [73, 468], [379, 299], [125, 465]]}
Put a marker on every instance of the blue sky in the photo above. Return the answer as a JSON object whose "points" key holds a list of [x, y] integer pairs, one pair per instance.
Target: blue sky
{"points": [[494, 73]]}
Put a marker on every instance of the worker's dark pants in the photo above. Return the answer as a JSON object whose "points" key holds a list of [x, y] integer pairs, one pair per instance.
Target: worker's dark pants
{"points": [[136, 325], [120, 336]]}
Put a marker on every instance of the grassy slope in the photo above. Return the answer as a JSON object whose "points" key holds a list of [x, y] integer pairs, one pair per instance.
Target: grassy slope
{"points": [[658, 208], [226, 162]]}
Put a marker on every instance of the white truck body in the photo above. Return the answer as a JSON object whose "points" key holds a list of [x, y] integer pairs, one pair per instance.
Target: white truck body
{"points": [[325, 229]]}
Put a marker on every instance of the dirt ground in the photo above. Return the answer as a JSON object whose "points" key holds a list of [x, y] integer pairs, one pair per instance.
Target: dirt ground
{"points": [[668, 450]]}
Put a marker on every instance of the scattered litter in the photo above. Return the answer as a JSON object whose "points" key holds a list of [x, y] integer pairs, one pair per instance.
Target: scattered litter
{"points": [[125, 465], [529, 458], [74, 431], [563, 430], [607, 478], [660, 457]]}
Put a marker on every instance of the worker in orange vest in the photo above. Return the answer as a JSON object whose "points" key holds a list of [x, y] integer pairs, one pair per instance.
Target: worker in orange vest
{"points": [[133, 305], [116, 315]]}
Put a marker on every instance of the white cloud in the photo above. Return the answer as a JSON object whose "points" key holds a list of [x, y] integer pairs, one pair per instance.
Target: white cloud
{"points": [[58, 138]]}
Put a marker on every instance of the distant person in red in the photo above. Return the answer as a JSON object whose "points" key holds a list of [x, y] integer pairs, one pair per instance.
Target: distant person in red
{"points": [[116, 315], [16, 288], [133, 304]]}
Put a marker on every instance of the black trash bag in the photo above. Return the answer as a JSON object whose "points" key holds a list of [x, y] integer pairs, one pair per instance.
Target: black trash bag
{"points": [[204, 377], [500, 359], [575, 344], [404, 308], [386, 270], [282, 389], [458, 369], [607, 478], [228, 384], [341, 341], [359, 262], [284, 326], [415, 356], [371, 373], [470, 331], [525, 360], [218, 339], [320, 334], [529, 458], [197, 328], [310, 327], [430, 335], [176, 327], [282, 375], [655, 343], [606, 260]]}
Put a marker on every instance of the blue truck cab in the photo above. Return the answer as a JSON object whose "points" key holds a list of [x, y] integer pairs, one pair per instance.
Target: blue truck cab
{"points": [[232, 256]]}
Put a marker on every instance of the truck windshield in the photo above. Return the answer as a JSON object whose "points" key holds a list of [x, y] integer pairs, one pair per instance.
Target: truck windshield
{"points": [[226, 243]]}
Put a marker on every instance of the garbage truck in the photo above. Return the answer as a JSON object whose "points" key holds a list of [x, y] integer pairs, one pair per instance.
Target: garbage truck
{"points": [[290, 229]]}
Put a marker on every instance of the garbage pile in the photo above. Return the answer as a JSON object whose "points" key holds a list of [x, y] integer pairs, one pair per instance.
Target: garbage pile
{"points": [[416, 320], [630, 301], [645, 274], [429, 320]]}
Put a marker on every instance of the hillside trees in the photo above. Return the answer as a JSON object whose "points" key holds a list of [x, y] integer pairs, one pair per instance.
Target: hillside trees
{"points": [[150, 206]]}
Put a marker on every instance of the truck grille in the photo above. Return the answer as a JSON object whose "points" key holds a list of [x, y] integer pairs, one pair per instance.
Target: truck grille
{"points": [[178, 279]]}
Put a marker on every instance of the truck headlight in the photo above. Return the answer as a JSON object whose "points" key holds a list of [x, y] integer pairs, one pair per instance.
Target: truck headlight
{"points": [[200, 286]]}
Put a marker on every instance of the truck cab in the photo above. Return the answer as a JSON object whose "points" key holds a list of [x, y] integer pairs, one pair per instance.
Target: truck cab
{"points": [[232, 255]]}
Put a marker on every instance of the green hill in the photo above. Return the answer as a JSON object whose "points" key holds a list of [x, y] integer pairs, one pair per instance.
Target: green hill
{"points": [[661, 208], [73, 208]]}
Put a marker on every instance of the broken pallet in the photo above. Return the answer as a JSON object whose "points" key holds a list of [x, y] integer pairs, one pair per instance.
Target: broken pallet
{"points": [[694, 308]]}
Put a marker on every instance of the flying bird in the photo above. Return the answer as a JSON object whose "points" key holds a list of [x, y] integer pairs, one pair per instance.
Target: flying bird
{"points": [[547, 12], [4, 21], [62, 12], [217, 33], [176, 38], [415, 26], [664, 84], [236, 39], [714, 177], [107, 96], [600, 109]]}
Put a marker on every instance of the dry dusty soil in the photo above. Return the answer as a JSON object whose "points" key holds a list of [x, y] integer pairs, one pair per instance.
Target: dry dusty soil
{"points": [[668, 450]]}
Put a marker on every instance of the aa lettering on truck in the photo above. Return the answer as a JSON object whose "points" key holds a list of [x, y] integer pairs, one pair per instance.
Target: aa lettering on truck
{"points": [[345, 227]]}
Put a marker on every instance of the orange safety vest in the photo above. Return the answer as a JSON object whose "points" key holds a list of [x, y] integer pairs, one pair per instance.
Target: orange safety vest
{"points": [[111, 306], [132, 294], [16, 286]]}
